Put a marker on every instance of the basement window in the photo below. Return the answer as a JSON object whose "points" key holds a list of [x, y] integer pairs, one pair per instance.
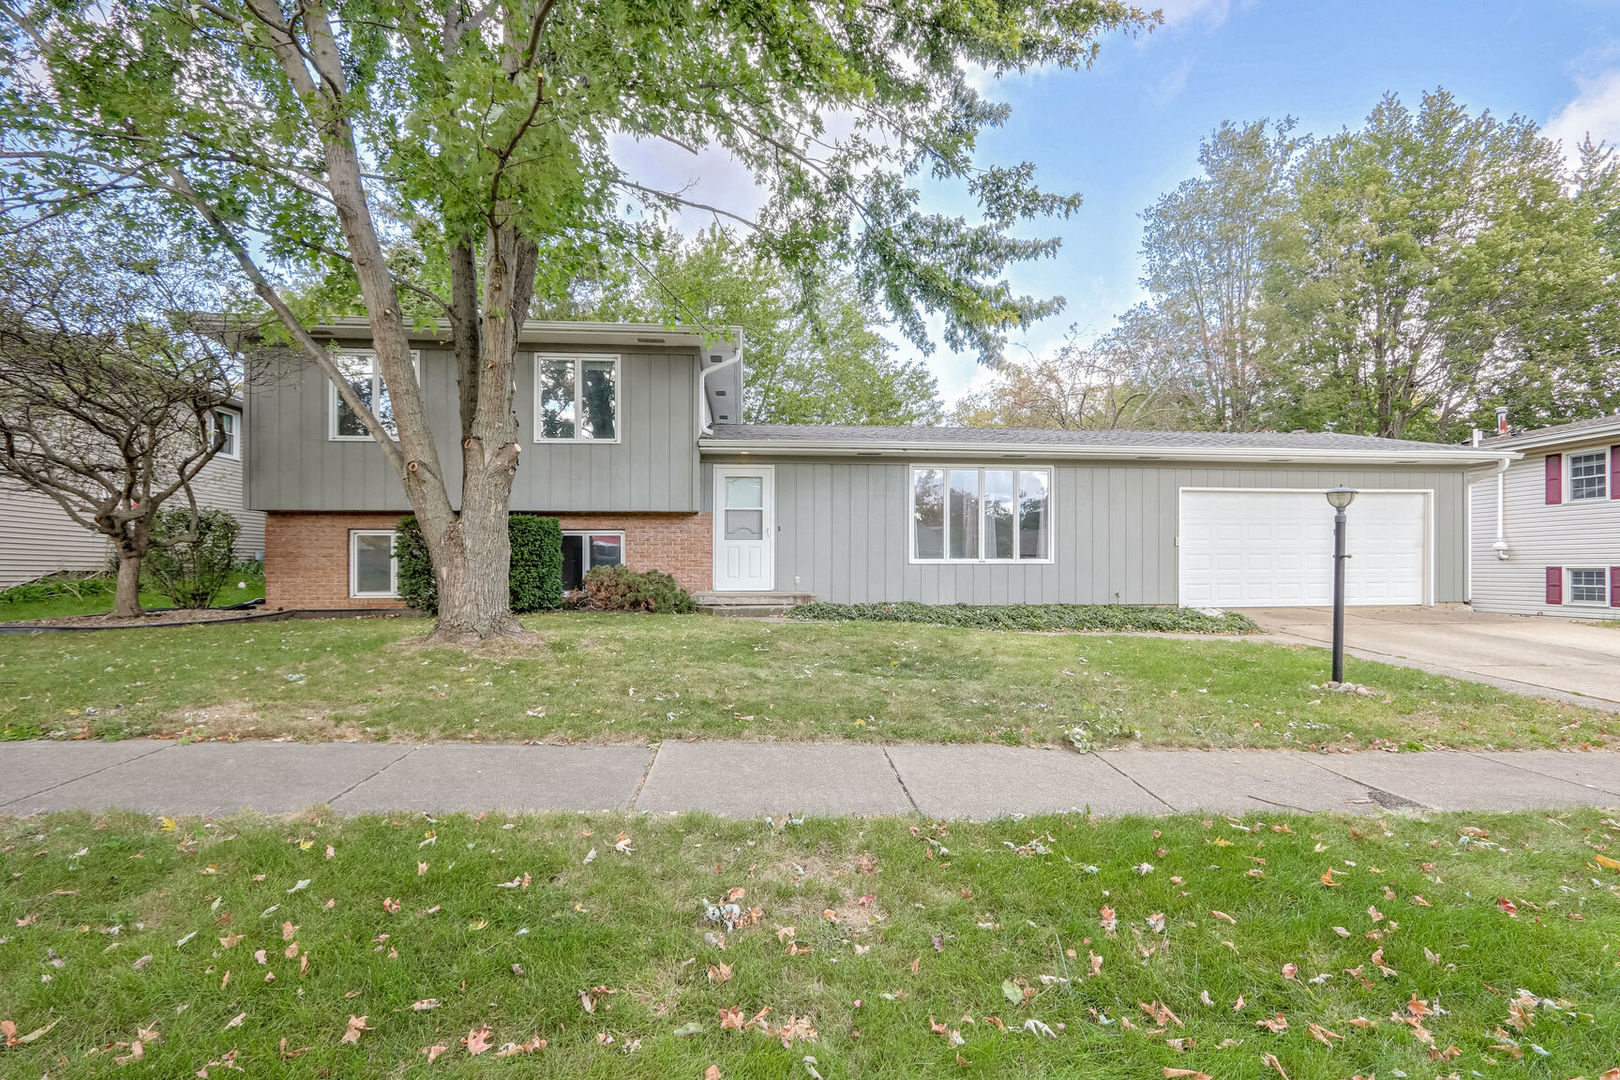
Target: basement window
{"points": [[373, 570], [1589, 586], [583, 552]]}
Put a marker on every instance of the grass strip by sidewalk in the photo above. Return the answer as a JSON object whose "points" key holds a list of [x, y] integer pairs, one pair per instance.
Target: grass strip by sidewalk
{"points": [[1317, 947], [635, 678]]}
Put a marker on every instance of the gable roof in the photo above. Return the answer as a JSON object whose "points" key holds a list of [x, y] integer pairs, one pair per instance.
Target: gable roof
{"points": [[1596, 427], [1261, 446]]}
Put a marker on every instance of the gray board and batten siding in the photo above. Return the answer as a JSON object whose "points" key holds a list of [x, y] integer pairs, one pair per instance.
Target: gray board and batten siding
{"points": [[842, 528], [653, 466]]}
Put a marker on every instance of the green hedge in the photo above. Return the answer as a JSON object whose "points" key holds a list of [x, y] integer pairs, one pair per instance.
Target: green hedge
{"points": [[536, 566], [1118, 617]]}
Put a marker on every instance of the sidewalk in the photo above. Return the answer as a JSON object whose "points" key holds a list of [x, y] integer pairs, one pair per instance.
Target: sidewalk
{"points": [[741, 779]]}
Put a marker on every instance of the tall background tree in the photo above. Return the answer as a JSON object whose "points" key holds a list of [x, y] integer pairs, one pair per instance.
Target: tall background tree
{"points": [[323, 131], [830, 365], [1431, 264], [109, 384], [1400, 279]]}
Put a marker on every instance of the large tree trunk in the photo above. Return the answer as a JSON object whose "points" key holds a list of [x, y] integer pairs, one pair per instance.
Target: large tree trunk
{"points": [[473, 560], [127, 599]]}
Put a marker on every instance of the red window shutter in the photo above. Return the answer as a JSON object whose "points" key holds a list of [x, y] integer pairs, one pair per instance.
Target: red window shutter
{"points": [[1555, 479], [1614, 586], [1555, 584], [1614, 473]]}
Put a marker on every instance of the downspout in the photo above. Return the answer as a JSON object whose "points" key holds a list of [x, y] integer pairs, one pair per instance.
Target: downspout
{"points": [[704, 413], [1501, 547]]}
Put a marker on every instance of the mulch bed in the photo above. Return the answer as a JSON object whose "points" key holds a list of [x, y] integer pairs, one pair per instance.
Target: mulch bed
{"points": [[177, 616]]}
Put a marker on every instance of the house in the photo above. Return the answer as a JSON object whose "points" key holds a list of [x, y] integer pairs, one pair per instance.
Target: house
{"points": [[37, 537], [1546, 527], [631, 437]]}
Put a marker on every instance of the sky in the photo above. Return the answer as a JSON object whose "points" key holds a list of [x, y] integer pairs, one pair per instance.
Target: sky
{"points": [[1128, 129]]}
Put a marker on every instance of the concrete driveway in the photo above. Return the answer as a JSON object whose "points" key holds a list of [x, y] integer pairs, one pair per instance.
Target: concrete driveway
{"points": [[1550, 657]]}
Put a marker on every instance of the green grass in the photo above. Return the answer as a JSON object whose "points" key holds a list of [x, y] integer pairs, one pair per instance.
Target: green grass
{"points": [[624, 678], [113, 925], [65, 606]]}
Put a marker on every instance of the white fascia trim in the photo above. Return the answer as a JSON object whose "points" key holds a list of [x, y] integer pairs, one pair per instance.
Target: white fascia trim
{"points": [[1262, 455]]}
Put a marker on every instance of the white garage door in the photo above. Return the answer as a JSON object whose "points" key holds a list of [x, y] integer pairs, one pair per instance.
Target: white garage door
{"points": [[1275, 548]]}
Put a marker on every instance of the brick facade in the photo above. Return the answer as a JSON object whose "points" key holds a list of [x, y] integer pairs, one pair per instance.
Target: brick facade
{"points": [[306, 555]]}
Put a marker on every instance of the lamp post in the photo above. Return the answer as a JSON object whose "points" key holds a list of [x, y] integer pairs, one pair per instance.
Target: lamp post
{"points": [[1339, 498]]}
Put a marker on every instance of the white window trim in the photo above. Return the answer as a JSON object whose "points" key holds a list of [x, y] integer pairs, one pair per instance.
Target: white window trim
{"points": [[579, 392], [354, 566], [333, 400], [1569, 585], [1569, 475], [236, 426], [911, 510]]}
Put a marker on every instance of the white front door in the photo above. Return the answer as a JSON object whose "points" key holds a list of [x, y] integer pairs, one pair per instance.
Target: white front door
{"points": [[744, 528], [1275, 548]]}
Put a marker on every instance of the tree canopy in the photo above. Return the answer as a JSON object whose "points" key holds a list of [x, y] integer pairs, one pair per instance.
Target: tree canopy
{"points": [[828, 365], [1402, 278]]}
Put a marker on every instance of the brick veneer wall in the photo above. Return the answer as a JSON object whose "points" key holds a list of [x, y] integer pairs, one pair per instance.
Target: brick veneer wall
{"points": [[306, 555]]}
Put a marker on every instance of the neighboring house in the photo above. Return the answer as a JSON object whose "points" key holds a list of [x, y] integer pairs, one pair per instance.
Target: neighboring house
{"points": [[37, 537], [1546, 528], [638, 453]]}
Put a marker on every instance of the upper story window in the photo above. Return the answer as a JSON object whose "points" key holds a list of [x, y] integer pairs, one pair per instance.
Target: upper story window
{"points": [[1589, 475], [360, 370], [230, 422], [972, 514], [576, 398]]}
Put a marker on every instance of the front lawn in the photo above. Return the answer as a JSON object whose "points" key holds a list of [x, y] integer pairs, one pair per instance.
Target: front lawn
{"points": [[623, 678], [1315, 948]]}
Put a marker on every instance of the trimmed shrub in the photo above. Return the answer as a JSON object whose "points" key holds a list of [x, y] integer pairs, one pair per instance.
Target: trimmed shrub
{"points": [[535, 576], [417, 585], [1120, 618], [618, 588], [536, 563], [192, 571]]}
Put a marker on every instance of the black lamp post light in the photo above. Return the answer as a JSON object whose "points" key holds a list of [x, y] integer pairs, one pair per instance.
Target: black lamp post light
{"points": [[1340, 499]]}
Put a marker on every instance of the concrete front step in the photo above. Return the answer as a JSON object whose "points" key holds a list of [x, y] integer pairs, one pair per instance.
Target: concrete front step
{"points": [[750, 605]]}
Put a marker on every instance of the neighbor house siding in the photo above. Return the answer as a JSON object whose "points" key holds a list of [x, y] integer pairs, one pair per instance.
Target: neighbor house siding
{"points": [[1539, 535], [294, 464], [37, 537], [842, 530]]}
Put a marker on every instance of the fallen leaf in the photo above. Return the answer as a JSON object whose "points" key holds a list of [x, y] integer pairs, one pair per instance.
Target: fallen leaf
{"points": [[1275, 1024], [351, 1034], [136, 1053], [1271, 1059], [235, 1021], [712, 1073], [424, 1005], [477, 1040], [1322, 1034], [719, 973], [434, 1051]]}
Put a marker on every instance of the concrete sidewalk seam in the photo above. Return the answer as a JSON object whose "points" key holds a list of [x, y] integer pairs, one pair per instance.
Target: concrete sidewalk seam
{"points": [[901, 780], [1373, 790], [86, 776], [374, 775], [1544, 775], [652, 758], [1149, 792]]}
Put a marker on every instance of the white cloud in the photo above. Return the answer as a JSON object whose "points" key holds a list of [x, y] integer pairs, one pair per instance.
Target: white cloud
{"points": [[1595, 111], [1209, 13]]}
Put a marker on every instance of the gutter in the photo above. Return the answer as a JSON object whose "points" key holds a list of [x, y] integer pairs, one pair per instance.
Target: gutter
{"points": [[1260, 455], [704, 414]]}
